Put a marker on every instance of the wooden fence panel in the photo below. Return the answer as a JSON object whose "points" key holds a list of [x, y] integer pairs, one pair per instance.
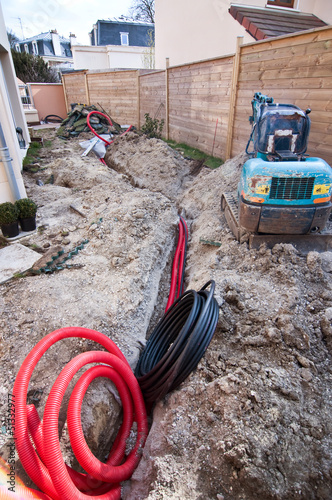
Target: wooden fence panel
{"points": [[152, 88], [295, 70], [199, 100], [292, 69], [116, 92], [74, 89]]}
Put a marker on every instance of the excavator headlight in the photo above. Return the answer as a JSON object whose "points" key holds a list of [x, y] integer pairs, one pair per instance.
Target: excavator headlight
{"points": [[262, 189], [322, 189]]}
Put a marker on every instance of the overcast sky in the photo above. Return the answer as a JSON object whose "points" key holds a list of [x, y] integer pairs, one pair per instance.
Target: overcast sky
{"points": [[66, 16]]}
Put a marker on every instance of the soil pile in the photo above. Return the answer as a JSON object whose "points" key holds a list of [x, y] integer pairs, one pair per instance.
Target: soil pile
{"points": [[254, 420]]}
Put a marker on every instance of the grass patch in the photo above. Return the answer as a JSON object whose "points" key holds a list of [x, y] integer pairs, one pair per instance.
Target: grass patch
{"points": [[33, 154], [195, 154]]}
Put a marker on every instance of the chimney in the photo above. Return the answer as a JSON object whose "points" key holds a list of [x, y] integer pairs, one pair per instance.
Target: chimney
{"points": [[95, 34], [72, 39], [56, 43]]}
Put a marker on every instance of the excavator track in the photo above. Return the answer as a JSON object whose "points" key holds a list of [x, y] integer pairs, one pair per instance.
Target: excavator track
{"points": [[304, 243]]}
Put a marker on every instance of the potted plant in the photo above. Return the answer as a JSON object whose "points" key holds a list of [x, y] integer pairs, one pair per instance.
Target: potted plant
{"points": [[9, 219], [27, 210]]}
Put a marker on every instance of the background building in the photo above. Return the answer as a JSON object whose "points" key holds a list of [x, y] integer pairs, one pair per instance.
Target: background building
{"points": [[52, 47], [117, 43], [192, 30]]}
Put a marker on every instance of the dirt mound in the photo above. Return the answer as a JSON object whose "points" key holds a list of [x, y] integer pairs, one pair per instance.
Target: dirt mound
{"points": [[254, 420], [149, 164]]}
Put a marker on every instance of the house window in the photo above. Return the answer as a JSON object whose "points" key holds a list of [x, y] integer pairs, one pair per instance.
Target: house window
{"points": [[26, 48], [17, 47], [281, 3], [35, 48], [124, 38]]}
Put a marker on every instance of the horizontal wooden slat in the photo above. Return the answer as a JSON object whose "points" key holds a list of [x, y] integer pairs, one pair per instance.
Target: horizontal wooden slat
{"points": [[295, 69]]}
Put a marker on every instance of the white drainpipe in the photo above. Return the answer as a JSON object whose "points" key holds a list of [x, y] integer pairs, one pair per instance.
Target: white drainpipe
{"points": [[7, 163]]}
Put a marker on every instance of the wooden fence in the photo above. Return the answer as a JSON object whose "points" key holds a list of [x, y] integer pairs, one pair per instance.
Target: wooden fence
{"points": [[206, 104]]}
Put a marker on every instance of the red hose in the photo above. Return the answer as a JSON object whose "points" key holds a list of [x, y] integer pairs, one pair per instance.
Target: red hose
{"points": [[176, 288], [109, 121], [180, 288], [47, 468]]}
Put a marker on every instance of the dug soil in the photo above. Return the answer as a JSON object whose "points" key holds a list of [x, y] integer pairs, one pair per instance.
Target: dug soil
{"points": [[254, 420]]}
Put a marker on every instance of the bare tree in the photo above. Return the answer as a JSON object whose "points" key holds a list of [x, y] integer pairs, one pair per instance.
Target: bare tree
{"points": [[148, 57], [142, 10]]}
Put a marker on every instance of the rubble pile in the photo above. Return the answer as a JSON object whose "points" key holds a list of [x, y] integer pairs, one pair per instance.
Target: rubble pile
{"points": [[76, 122]]}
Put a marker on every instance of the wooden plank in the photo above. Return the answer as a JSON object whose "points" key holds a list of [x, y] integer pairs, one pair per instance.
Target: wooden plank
{"points": [[138, 121], [290, 83], [204, 129], [234, 85], [167, 100], [290, 62], [288, 94], [309, 36], [273, 53], [65, 92], [86, 89]]}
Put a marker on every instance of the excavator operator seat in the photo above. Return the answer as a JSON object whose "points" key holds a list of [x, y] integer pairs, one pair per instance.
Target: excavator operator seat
{"points": [[282, 130]]}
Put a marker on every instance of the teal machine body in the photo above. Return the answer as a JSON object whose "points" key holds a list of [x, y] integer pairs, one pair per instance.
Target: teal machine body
{"points": [[282, 190]]}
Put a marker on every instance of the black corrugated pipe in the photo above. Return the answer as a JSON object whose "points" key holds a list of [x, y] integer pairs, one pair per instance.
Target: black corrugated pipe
{"points": [[178, 342]]}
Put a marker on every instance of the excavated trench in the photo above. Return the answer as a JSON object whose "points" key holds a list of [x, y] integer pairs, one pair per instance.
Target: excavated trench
{"points": [[254, 420]]}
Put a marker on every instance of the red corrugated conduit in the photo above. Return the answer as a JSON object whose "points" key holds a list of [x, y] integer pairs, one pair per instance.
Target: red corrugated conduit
{"points": [[109, 121], [99, 137], [47, 468], [178, 268]]}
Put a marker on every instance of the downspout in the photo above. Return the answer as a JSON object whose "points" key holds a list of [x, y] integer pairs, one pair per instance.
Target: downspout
{"points": [[7, 163]]}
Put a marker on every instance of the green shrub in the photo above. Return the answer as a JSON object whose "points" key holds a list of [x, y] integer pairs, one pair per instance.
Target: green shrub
{"points": [[26, 208], [8, 213], [152, 127]]}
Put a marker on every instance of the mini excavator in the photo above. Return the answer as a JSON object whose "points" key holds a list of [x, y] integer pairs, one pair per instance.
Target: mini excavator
{"points": [[282, 191]]}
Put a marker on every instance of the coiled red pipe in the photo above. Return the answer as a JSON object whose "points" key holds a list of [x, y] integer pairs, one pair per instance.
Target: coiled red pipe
{"points": [[47, 468], [109, 121], [176, 288]]}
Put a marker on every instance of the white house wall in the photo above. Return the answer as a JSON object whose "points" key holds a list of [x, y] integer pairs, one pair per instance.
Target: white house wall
{"points": [[11, 116], [89, 57], [126, 57], [192, 30], [321, 8], [107, 57]]}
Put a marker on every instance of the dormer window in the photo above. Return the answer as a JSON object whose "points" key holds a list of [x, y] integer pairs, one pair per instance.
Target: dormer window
{"points": [[26, 48], [281, 3], [17, 47], [35, 48], [124, 38]]}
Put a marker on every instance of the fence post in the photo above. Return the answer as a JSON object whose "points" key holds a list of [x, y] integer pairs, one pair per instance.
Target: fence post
{"points": [[232, 104], [64, 92], [86, 88], [138, 100], [167, 97]]}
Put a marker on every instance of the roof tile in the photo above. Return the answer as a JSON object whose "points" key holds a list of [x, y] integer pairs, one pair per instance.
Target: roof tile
{"points": [[265, 22]]}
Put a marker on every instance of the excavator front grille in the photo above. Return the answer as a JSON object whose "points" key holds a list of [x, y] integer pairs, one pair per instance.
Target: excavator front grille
{"points": [[291, 188]]}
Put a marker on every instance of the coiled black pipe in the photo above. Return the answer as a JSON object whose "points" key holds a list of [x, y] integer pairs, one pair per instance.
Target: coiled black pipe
{"points": [[178, 342]]}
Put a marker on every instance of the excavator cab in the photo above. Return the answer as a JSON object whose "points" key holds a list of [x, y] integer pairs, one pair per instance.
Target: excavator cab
{"points": [[282, 132], [281, 189]]}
